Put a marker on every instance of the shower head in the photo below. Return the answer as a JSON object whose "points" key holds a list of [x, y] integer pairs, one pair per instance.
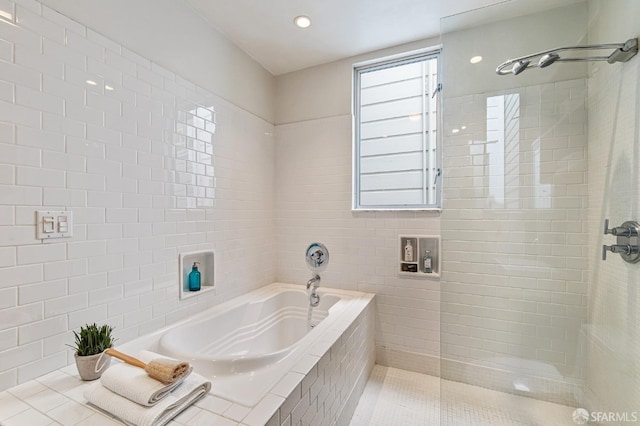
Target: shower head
{"points": [[519, 66], [622, 53], [548, 59]]}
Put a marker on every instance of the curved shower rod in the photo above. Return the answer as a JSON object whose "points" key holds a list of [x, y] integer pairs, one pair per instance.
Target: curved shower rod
{"points": [[622, 53]]}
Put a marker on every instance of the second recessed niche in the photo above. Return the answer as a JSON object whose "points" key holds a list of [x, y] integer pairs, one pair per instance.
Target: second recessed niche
{"points": [[419, 256]]}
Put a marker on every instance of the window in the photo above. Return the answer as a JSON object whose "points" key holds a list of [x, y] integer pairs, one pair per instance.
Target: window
{"points": [[397, 153]]}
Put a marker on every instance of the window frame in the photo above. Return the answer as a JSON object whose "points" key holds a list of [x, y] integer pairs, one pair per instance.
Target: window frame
{"points": [[379, 64]]}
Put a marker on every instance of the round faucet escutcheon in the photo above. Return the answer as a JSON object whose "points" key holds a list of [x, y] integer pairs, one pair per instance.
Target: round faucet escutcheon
{"points": [[317, 257]]}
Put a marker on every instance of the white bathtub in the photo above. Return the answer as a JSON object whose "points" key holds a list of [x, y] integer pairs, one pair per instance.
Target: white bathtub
{"points": [[248, 344], [251, 335]]}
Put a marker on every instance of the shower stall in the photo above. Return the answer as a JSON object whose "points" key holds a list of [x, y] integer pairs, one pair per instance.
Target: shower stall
{"points": [[534, 162]]}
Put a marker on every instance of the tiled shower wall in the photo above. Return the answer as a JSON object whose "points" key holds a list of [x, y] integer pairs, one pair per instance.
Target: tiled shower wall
{"points": [[514, 291], [151, 166], [613, 347]]}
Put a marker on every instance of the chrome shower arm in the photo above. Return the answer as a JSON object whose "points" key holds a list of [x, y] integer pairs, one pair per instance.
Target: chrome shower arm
{"points": [[589, 59], [565, 48], [500, 69], [622, 53]]}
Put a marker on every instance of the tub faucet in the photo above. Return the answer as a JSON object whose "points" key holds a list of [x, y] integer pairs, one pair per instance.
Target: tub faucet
{"points": [[314, 280]]}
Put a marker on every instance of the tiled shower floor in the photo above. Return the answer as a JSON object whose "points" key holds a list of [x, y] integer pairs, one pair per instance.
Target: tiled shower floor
{"points": [[403, 398]]}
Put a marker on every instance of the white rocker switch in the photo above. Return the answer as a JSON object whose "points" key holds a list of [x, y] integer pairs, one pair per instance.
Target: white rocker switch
{"points": [[48, 225], [63, 225]]}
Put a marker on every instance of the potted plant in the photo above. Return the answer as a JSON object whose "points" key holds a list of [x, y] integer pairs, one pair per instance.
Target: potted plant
{"points": [[89, 345]]}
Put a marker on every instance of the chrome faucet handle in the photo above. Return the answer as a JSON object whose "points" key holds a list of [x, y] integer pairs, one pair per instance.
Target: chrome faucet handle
{"points": [[606, 248], [620, 249], [626, 230]]}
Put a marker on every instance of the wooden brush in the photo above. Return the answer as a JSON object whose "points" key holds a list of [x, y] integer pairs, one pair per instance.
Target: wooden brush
{"points": [[164, 370]]}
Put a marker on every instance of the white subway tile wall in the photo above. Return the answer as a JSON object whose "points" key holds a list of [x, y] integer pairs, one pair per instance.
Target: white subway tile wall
{"points": [[151, 166], [314, 178], [514, 287]]}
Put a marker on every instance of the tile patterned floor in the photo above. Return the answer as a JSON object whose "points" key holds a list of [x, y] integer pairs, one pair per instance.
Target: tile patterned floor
{"points": [[403, 398], [391, 397], [57, 399]]}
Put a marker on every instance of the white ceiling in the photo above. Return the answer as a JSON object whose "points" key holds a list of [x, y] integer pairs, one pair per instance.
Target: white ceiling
{"points": [[340, 28], [265, 30]]}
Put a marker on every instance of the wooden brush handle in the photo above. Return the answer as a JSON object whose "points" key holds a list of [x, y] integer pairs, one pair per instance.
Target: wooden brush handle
{"points": [[126, 358]]}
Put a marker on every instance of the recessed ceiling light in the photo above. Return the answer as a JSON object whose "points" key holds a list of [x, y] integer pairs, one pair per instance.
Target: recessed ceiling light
{"points": [[109, 88], [302, 21], [475, 59], [91, 83]]}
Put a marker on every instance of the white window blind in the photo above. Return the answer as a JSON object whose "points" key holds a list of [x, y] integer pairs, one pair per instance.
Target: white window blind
{"points": [[396, 144]]}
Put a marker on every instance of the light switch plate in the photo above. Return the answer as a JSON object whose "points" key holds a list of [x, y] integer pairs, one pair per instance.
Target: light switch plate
{"points": [[51, 224]]}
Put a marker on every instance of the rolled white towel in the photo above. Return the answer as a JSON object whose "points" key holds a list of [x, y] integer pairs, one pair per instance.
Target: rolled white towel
{"points": [[192, 388], [135, 384]]}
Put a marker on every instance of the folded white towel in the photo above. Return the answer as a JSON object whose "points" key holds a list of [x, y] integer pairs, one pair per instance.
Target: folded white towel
{"points": [[192, 388], [135, 384]]}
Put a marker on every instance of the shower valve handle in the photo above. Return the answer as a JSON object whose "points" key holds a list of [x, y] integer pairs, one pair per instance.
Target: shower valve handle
{"points": [[620, 249], [627, 241], [620, 231]]}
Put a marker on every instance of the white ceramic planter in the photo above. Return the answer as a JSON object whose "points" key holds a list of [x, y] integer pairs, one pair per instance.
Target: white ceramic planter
{"points": [[88, 366]]}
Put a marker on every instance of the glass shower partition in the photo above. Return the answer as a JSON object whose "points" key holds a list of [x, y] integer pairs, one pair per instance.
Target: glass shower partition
{"points": [[514, 221], [534, 164]]}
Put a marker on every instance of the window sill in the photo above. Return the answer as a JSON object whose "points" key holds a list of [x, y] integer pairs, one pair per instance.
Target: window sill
{"points": [[397, 209]]}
